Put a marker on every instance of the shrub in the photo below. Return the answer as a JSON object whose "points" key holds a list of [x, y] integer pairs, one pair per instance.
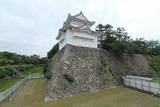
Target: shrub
{"points": [[13, 58], [2, 74], [68, 77], [156, 80], [155, 64], [6, 61], [23, 68], [33, 70], [8, 71]]}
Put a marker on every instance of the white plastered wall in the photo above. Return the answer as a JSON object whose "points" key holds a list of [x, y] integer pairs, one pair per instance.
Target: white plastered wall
{"points": [[78, 39]]}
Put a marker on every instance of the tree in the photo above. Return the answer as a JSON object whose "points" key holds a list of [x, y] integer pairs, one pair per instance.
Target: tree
{"points": [[53, 51], [121, 34], [13, 58], [106, 37], [114, 40], [118, 41]]}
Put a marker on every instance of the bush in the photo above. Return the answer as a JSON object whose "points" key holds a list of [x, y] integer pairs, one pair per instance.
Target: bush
{"points": [[118, 47], [155, 64], [68, 77], [23, 68], [6, 61], [33, 70], [156, 80], [2, 74], [8, 71], [13, 58]]}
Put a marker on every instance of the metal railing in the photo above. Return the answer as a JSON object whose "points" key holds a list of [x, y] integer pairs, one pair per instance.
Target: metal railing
{"points": [[4, 95], [142, 84]]}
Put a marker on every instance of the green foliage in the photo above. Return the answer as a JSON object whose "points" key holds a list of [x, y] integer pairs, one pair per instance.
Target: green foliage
{"points": [[6, 61], [156, 80], [43, 60], [46, 70], [7, 71], [45, 67], [23, 68], [53, 51], [6, 84], [68, 77], [118, 47], [114, 40], [50, 54], [155, 64], [33, 70], [119, 42], [13, 58]]}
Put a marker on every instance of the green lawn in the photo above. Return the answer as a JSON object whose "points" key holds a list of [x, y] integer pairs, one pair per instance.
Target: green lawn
{"points": [[34, 70], [33, 93], [156, 80], [6, 84], [3, 66]]}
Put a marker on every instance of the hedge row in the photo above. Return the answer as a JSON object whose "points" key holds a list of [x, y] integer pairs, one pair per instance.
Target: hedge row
{"points": [[6, 61], [8, 71]]}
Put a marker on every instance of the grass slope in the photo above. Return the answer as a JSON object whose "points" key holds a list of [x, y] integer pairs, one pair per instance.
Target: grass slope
{"points": [[32, 95], [34, 70], [156, 80], [23, 65], [6, 84]]}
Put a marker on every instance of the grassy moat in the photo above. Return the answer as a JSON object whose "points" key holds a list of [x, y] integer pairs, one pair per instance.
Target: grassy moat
{"points": [[7, 83], [32, 95]]}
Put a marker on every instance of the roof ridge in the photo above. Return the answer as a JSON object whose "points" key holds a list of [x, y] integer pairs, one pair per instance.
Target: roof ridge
{"points": [[79, 14]]}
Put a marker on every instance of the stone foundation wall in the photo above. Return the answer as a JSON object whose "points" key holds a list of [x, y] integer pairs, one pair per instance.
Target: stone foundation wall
{"points": [[93, 69]]}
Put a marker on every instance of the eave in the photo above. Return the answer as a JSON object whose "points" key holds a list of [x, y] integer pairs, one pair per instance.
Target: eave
{"points": [[85, 31], [60, 33]]}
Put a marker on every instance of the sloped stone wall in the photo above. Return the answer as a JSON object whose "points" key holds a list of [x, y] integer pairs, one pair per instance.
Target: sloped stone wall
{"points": [[92, 69]]}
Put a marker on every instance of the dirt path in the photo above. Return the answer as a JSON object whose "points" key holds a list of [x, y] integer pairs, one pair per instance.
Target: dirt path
{"points": [[31, 92], [32, 95]]}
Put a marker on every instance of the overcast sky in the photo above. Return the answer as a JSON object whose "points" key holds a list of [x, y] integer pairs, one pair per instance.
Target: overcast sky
{"points": [[30, 26]]}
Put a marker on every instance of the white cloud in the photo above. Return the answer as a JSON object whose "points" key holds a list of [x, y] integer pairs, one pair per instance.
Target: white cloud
{"points": [[30, 26]]}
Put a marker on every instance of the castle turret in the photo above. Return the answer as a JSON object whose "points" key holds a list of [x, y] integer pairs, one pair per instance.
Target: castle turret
{"points": [[76, 31]]}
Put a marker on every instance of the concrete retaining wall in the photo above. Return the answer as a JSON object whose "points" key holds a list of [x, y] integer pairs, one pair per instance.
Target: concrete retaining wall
{"points": [[4, 95]]}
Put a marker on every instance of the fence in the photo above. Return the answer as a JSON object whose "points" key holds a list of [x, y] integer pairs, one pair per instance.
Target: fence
{"points": [[142, 83], [4, 95]]}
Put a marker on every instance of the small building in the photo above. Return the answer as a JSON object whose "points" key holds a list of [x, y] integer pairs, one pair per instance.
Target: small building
{"points": [[76, 31]]}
